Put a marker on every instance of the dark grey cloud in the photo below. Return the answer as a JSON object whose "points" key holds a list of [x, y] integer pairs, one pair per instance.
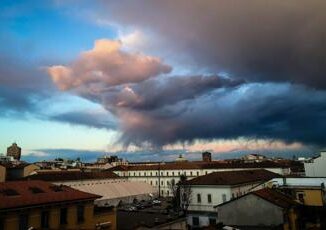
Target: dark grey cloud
{"points": [[282, 41], [98, 120], [153, 94], [258, 111]]}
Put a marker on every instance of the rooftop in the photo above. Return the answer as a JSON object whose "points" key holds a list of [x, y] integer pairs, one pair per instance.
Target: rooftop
{"points": [[275, 197], [72, 175], [233, 177], [199, 165], [20, 194]]}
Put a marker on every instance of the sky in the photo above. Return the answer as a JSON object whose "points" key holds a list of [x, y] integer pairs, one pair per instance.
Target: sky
{"points": [[151, 80]]}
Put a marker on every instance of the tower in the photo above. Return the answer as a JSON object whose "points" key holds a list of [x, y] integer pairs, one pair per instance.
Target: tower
{"points": [[207, 156], [15, 151]]}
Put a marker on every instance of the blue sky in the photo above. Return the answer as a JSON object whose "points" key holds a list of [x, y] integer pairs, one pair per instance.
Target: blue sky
{"points": [[129, 77]]}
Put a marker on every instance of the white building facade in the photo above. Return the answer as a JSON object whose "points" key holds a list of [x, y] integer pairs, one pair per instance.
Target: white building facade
{"points": [[317, 166]]}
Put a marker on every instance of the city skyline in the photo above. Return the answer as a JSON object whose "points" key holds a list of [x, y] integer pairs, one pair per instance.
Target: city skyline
{"points": [[132, 77]]}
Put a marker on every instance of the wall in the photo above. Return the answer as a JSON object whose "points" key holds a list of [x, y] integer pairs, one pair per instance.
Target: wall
{"points": [[34, 218], [250, 210], [2, 173], [317, 167]]}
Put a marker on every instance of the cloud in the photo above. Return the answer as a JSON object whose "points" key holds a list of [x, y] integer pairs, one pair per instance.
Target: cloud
{"points": [[255, 111], [93, 119], [21, 86], [279, 41], [107, 64]]}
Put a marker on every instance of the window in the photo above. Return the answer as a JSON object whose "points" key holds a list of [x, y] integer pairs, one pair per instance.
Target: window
{"points": [[80, 213], [198, 198], [300, 197], [233, 196], [195, 221], [156, 173], [162, 192], [205, 172], [161, 182], [23, 222], [45, 219], [161, 173], [197, 173], [167, 173], [167, 192], [190, 173], [156, 182], [179, 173], [63, 216], [134, 174], [209, 198], [144, 173], [172, 173], [151, 174], [212, 221], [224, 198], [151, 183]]}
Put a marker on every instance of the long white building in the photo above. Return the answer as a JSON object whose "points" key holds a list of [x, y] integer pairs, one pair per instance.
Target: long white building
{"points": [[161, 175]]}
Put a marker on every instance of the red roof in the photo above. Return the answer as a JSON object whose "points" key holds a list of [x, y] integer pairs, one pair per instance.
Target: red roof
{"points": [[275, 197], [20, 194], [72, 175], [233, 177], [200, 165]]}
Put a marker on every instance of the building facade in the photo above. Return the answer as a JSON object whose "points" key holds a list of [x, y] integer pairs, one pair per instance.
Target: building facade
{"points": [[219, 187], [41, 205], [161, 176], [261, 209], [316, 167]]}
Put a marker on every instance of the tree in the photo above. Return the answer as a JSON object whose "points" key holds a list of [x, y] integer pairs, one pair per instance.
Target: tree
{"points": [[181, 192]]}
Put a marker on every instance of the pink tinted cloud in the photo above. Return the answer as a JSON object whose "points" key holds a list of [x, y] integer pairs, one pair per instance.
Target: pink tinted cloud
{"points": [[107, 64]]}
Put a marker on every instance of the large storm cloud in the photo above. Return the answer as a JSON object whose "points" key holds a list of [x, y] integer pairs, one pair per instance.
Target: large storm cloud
{"points": [[280, 41], [167, 109]]}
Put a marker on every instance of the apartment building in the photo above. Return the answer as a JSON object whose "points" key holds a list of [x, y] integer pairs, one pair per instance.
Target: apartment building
{"points": [[219, 187], [42, 205]]}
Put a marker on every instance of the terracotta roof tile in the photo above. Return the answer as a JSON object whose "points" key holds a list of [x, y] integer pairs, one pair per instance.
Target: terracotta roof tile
{"points": [[275, 197], [71, 175], [20, 194], [233, 177], [199, 165]]}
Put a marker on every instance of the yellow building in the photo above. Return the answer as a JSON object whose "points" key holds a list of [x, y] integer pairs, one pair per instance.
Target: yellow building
{"points": [[42, 205], [2, 173]]}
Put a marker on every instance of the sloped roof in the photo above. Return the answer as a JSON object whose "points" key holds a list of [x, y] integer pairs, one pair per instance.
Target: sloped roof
{"points": [[117, 189], [20, 194], [199, 165], [72, 175], [271, 195], [275, 197], [233, 177]]}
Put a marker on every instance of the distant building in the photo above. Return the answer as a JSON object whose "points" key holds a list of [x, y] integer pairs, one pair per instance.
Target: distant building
{"points": [[180, 159], [42, 205], [262, 209], [207, 156], [161, 175], [316, 167], [19, 171], [219, 187], [15, 151], [6, 159], [254, 158]]}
